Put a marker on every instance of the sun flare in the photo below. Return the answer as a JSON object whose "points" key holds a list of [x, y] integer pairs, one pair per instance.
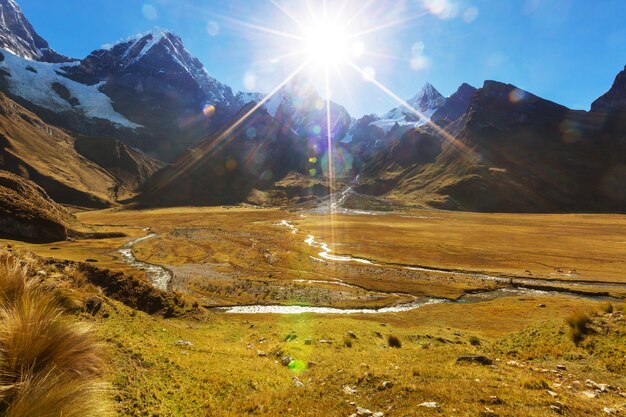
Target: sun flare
{"points": [[326, 43]]}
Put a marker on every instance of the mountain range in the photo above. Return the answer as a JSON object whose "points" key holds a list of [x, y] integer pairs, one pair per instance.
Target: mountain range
{"points": [[143, 119]]}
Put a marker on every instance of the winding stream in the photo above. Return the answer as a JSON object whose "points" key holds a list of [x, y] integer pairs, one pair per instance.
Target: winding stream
{"points": [[158, 275], [296, 309], [413, 305], [516, 287], [512, 281], [161, 277]]}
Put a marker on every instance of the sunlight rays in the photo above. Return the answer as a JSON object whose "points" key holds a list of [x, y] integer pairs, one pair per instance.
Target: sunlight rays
{"points": [[446, 135], [331, 175], [387, 25], [260, 104], [359, 12], [219, 141], [254, 26], [326, 40], [284, 11]]}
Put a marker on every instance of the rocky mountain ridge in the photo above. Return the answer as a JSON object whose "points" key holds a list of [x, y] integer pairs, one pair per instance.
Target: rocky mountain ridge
{"points": [[18, 36], [504, 149]]}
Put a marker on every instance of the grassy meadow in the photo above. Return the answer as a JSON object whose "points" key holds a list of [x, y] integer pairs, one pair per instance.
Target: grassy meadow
{"points": [[548, 354]]}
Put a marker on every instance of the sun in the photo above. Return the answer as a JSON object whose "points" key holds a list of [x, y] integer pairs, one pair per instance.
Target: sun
{"points": [[326, 43]]}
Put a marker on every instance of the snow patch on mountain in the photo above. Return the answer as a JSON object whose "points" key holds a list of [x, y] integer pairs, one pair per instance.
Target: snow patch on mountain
{"points": [[39, 83], [156, 33], [387, 124], [271, 105], [422, 106], [157, 53]]}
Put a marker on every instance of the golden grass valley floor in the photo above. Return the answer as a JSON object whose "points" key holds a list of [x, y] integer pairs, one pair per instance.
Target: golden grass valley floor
{"points": [[206, 362]]}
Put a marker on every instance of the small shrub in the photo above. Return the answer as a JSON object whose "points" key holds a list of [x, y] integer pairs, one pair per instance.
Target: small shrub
{"points": [[394, 341], [347, 342], [608, 308], [474, 341], [579, 326]]}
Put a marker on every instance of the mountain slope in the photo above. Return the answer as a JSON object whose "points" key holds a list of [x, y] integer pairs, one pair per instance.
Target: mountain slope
{"points": [[147, 90], [26, 212], [455, 106], [230, 165], [128, 166], [515, 152], [154, 81], [47, 155], [18, 36], [615, 98], [299, 106]]}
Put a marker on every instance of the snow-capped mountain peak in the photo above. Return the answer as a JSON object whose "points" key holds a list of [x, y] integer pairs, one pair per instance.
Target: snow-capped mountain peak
{"points": [[426, 102], [18, 36], [428, 98], [155, 46], [156, 54], [299, 105], [155, 34]]}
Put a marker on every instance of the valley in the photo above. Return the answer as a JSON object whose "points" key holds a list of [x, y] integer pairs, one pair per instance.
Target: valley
{"points": [[242, 256], [252, 252], [175, 245]]}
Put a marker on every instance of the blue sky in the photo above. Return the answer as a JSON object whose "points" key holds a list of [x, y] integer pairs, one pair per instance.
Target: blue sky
{"points": [[568, 51]]}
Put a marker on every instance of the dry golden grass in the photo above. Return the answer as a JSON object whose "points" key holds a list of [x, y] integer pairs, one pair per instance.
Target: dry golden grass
{"points": [[560, 246], [219, 375], [48, 151], [234, 255], [50, 364], [579, 326]]}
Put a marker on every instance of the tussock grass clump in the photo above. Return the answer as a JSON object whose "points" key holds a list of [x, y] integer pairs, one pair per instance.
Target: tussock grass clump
{"points": [[609, 308], [347, 342], [579, 326], [50, 365], [534, 384], [394, 341]]}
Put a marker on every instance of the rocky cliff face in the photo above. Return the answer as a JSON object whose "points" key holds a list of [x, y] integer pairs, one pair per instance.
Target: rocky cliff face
{"points": [[18, 36], [615, 98], [455, 106]]}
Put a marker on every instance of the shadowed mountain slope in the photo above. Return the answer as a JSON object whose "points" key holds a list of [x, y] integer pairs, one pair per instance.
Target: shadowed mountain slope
{"points": [[513, 152], [71, 171], [615, 98], [26, 212], [228, 166]]}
